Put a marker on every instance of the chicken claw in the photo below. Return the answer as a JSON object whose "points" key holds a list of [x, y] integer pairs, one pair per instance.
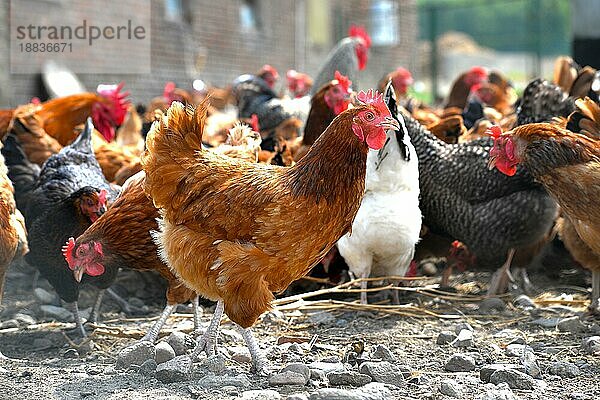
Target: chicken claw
{"points": [[208, 341]]}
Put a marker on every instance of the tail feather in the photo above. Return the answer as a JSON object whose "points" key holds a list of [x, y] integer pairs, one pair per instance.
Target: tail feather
{"points": [[83, 142], [586, 119], [23, 173], [171, 141]]}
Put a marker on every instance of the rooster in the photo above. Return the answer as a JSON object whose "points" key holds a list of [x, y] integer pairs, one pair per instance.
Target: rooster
{"points": [[69, 195], [461, 88], [225, 228], [387, 225], [567, 164], [60, 116], [349, 56]]}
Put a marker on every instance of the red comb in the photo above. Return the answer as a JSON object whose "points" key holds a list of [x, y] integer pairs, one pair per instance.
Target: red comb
{"points": [[98, 248], [494, 131], [254, 123], [360, 32], [373, 97], [456, 244], [67, 251], [478, 71], [343, 81], [119, 99], [102, 196], [270, 69]]}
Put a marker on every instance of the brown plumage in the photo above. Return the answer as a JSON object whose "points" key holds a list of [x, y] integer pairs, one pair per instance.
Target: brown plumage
{"points": [[448, 129], [13, 238], [227, 227], [585, 119], [583, 83], [565, 72], [123, 233]]}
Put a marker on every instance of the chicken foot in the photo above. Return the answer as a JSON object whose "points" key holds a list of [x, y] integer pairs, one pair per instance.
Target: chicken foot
{"points": [[197, 310], [208, 341], [525, 283], [501, 278], [259, 361], [152, 334]]}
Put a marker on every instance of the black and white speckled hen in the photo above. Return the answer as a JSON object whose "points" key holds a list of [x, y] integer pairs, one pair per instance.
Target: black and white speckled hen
{"points": [[542, 101], [491, 213], [71, 193]]}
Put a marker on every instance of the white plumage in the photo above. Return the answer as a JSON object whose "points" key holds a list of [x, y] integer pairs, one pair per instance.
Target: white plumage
{"points": [[387, 225]]}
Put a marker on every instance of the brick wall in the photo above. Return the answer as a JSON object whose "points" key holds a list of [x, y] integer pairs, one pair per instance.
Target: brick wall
{"points": [[211, 43]]}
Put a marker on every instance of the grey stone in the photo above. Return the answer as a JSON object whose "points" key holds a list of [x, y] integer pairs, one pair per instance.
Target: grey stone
{"points": [[214, 381], [45, 297], [179, 342], [499, 392], [572, 324], [460, 363], [492, 304], [317, 375], [57, 313], [446, 337], [371, 391], [299, 368], [591, 345], [564, 369], [71, 353], [148, 368], [322, 317], [11, 323], [451, 388], [546, 322], [240, 354], [516, 350], [327, 366], [135, 354], [486, 372], [529, 362], [260, 395], [164, 352], [297, 396], [348, 378], [287, 378], [385, 372], [215, 363], [462, 326], [383, 353], [515, 379], [524, 302], [464, 339], [231, 335], [42, 344], [177, 369], [24, 319]]}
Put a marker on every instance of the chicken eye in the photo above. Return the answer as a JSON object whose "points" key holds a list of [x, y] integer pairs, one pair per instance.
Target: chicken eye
{"points": [[369, 116]]}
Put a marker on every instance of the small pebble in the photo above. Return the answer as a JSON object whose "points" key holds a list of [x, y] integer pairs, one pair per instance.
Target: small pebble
{"points": [[572, 324], [179, 342], [463, 326], [524, 302], [45, 297], [516, 350], [464, 339], [216, 381], [261, 395], [451, 388], [287, 378], [24, 319], [591, 345], [492, 304], [164, 352], [446, 337], [299, 368], [385, 372], [498, 392], [460, 363], [486, 371], [57, 313], [176, 370], [135, 354], [297, 396], [564, 369], [515, 379], [348, 378]]}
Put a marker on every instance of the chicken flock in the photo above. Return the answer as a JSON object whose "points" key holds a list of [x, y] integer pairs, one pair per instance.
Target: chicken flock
{"points": [[234, 208]]}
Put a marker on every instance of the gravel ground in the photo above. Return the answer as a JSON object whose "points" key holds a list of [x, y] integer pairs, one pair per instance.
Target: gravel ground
{"points": [[546, 349]]}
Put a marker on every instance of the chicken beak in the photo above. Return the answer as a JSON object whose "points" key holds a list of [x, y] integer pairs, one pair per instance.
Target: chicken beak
{"points": [[78, 272], [389, 123]]}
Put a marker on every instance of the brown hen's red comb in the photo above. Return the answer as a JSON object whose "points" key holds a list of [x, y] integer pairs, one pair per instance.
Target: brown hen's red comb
{"points": [[102, 196], [67, 251], [373, 97], [360, 32], [494, 131], [118, 98], [343, 81]]}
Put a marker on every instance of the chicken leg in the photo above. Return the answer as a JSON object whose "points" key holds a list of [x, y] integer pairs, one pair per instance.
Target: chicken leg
{"points": [[259, 362], [363, 286], [93, 318], [208, 341], [501, 278], [197, 310], [152, 334], [595, 292], [74, 308]]}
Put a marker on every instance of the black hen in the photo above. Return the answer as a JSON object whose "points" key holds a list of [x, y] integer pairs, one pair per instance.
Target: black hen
{"points": [[542, 101], [71, 192], [22, 173]]}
